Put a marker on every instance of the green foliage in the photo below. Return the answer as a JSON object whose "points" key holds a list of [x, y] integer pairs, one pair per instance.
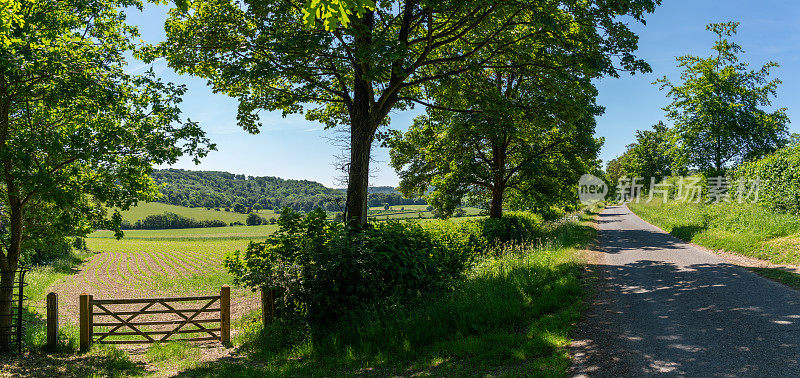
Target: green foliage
{"points": [[254, 219], [224, 190], [779, 173], [79, 134], [331, 13], [239, 208], [528, 132], [748, 229], [46, 249], [325, 269], [511, 228], [650, 157], [512, 313], [717, 109], [262, 54]]}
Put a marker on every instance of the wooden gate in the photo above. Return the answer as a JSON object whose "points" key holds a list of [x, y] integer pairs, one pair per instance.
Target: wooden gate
{"points": [[121, 320]]}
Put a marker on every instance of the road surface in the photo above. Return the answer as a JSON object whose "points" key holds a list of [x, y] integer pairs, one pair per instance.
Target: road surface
{"points": [[664, 307]]}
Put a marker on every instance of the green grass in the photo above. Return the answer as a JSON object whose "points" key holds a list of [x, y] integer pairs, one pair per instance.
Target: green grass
{"points": [[173, 356], [144, 209], [512, 315], [747, 229], [412, 212], [231, 232]]}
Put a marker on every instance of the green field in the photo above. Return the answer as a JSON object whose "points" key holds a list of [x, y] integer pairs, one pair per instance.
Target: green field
{"points": [[156, 265], [154, 208], [143, 209], [411, 212]]}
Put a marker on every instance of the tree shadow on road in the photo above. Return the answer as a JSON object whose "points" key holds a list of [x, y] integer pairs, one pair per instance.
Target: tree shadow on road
{"points": [[652, 316]]}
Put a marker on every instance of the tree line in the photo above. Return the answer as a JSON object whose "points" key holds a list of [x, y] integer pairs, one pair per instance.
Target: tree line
{"points": [[243, 194], [722, 118]]}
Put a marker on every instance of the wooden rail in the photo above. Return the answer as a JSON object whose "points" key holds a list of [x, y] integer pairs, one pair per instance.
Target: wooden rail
{"points": [[124, 322]]}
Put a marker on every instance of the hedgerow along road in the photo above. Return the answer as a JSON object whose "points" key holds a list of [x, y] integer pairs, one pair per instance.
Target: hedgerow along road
{"points": [[666, 307]]}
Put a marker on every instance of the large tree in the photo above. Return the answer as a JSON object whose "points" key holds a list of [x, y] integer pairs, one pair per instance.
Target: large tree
{"points": [[719, 107], [527, 132], [77, 133], [265, 55]]}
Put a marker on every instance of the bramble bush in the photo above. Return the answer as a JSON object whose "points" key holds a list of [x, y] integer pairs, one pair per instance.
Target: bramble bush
{"points": [[324, 270]]}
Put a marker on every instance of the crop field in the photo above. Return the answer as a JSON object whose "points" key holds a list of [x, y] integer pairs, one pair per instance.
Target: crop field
{"points": [[151, 265]]}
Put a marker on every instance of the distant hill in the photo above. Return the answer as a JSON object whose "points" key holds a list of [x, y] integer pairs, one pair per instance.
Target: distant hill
{"points": [[214, 189]]}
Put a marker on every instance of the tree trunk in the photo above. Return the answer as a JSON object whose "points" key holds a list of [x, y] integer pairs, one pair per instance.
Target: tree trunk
{"points": [[6, 305], [496, 207], [10, 257], [8, 269], [499, 152], [361, 136]]}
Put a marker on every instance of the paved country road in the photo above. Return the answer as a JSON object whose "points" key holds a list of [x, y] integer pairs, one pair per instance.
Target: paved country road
{"points": [[666, 307]]}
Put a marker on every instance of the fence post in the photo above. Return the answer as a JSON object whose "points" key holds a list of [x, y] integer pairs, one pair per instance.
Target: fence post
{"points": [[52, 321], [225, 314], [84, 322], [267, 305], [90, 315]]}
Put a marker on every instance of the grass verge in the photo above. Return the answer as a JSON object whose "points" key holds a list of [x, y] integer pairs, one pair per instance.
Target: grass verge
{"points": [[746, 229], [513, 315]]}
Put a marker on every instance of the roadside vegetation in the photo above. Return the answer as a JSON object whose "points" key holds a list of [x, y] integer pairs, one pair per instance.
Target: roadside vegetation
{"points": [[511, 313], [747, 229]]}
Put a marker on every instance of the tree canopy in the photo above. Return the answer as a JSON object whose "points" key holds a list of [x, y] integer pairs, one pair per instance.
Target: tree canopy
{"points": [[519, 131], [718, 107], [652, 156], [78, 134], [263, 54]]}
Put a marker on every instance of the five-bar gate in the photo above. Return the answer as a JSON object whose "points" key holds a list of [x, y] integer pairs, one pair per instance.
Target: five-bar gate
{"points": [[151, 320]]}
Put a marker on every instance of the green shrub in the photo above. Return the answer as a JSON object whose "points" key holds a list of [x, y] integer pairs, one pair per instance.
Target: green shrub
{"points": [[169, 220], [779, 173], [45, 250], [512, 227], [325, 269], [254, 219]]}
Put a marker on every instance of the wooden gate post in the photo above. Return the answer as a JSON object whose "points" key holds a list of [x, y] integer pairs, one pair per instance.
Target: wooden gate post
{"points": [[90, 315], [267, 305], [52, 321], [86, 336], [225, 314]]}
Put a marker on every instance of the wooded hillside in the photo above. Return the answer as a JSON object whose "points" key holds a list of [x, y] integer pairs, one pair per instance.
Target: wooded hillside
{"points": [[213, 189]]}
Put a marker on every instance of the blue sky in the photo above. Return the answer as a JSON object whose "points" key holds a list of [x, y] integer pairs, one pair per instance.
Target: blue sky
{"points": [[295, 148]]}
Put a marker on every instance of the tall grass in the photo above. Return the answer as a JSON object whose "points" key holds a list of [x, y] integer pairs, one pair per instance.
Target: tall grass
{"points": [[747, 229]]}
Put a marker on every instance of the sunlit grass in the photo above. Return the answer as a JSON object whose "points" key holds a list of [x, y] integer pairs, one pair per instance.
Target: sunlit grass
{"points": [[746, 229]]}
